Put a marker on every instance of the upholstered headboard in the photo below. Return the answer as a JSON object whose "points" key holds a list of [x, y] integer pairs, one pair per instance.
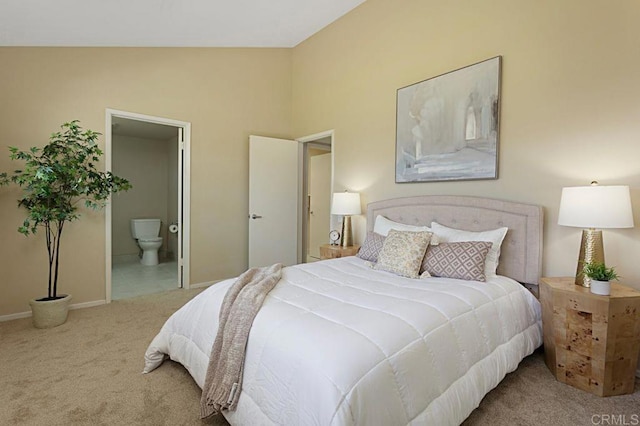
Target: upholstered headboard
{"points": [[521, 252]]}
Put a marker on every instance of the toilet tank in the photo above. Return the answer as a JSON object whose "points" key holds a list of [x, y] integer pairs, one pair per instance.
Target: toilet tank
{"points": [[145, 228]]}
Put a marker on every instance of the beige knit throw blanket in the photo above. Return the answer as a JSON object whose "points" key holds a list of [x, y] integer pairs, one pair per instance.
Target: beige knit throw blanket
{"points": [[240, 305]]}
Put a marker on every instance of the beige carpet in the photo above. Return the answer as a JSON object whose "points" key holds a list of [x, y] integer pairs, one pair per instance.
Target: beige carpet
{"points": [[87, 372]]}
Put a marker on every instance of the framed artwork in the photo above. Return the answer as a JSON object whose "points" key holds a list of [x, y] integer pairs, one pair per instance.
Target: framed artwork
{"points": [[447, 126]]}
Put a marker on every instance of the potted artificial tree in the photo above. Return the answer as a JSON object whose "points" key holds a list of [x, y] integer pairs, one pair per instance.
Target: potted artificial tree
{"points": [[55, 179], [601, 277]]}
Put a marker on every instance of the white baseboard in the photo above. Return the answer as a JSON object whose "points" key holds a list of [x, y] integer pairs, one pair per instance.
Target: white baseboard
{"points": [[14, 316], [71, 307], [91, 304], [87, 304]]}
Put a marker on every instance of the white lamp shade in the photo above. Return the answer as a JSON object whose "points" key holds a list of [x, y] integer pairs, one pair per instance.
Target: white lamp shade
{"points": [[596, 207], [346, 203]]}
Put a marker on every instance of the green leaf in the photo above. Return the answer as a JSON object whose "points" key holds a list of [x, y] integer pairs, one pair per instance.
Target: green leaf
{"points": [[57, 177], [600, 272]]}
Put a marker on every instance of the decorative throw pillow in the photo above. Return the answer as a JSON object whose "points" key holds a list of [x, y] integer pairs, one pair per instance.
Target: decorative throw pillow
{"points": [[371, 247], [494, 236], [383, 225], [463, 260], [402, 252]]}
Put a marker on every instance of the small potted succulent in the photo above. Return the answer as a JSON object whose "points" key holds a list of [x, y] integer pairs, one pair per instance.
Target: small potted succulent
{"points": [[601, 277], [55, 180]]}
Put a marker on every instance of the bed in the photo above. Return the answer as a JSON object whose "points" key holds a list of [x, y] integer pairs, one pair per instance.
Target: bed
{"points": [[340, 343]]}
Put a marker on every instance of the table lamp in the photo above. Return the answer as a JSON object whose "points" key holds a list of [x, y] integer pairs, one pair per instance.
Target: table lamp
{"points": [[346, 204], [593, 207]]}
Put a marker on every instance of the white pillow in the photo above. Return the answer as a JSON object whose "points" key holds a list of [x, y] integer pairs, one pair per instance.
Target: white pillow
{"points": [[494, 236], [383, 225]]}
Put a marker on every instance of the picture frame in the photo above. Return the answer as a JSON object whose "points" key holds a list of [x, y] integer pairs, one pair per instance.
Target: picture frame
{"points": [[447, 127]]}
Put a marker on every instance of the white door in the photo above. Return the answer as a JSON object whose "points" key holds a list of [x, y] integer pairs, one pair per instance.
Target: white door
{"points": [[180, 207], [273, 201], [319, 203]]}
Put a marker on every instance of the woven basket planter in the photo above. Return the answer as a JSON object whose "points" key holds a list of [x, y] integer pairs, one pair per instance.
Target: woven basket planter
{"points": [[50, 313]]}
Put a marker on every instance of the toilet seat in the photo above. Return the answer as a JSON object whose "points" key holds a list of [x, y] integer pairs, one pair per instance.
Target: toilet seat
{"points": [[150, 240]]}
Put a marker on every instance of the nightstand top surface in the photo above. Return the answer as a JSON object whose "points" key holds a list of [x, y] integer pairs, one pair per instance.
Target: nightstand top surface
{"points": [[568, 284], [339, 247]]}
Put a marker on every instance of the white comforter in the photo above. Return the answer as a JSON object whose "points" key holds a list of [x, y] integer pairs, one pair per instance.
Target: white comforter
{"points": [[338, 343]]}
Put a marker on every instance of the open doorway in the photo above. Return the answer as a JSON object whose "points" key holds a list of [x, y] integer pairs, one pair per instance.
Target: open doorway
{"points": [[146, 228], [317, 184], [274, 165]]}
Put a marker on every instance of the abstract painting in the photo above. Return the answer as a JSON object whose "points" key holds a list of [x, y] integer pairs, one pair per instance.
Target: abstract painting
{"points": [[447, 126]]}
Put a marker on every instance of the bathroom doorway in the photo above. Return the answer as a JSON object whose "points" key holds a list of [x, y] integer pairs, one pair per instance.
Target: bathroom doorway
{"points": [[318, 198], [317, 183], [153, 153]]}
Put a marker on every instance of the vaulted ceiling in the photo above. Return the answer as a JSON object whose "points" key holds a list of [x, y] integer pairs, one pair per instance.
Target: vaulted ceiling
{"points": [[166, 23]]}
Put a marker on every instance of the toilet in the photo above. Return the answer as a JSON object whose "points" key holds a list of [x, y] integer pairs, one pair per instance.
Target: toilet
{"points": [[145, 232]]}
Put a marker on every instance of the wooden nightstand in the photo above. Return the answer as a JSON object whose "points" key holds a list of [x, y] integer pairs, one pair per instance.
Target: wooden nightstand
{"points": [[328, 251], [591, 342]]}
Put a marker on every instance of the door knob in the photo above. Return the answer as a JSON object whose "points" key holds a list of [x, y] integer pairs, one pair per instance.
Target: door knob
{"points": [[255, 216]]}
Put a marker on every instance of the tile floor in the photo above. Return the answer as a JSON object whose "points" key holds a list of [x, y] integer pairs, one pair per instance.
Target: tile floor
{"points": [[130, 278]]}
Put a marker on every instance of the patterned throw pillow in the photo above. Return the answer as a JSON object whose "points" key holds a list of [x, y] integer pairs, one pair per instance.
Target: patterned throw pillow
{"points": [[495, 236], [402, 252], [464, 260], [371, 247]]}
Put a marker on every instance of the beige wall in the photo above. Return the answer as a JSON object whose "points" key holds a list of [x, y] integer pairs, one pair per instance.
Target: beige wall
{"points": [[145, 163], [570, 101], [226, 94], [569, 115]]}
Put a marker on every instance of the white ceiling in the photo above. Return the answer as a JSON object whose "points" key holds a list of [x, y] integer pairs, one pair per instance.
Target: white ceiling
{"points": [[166, 23]]}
